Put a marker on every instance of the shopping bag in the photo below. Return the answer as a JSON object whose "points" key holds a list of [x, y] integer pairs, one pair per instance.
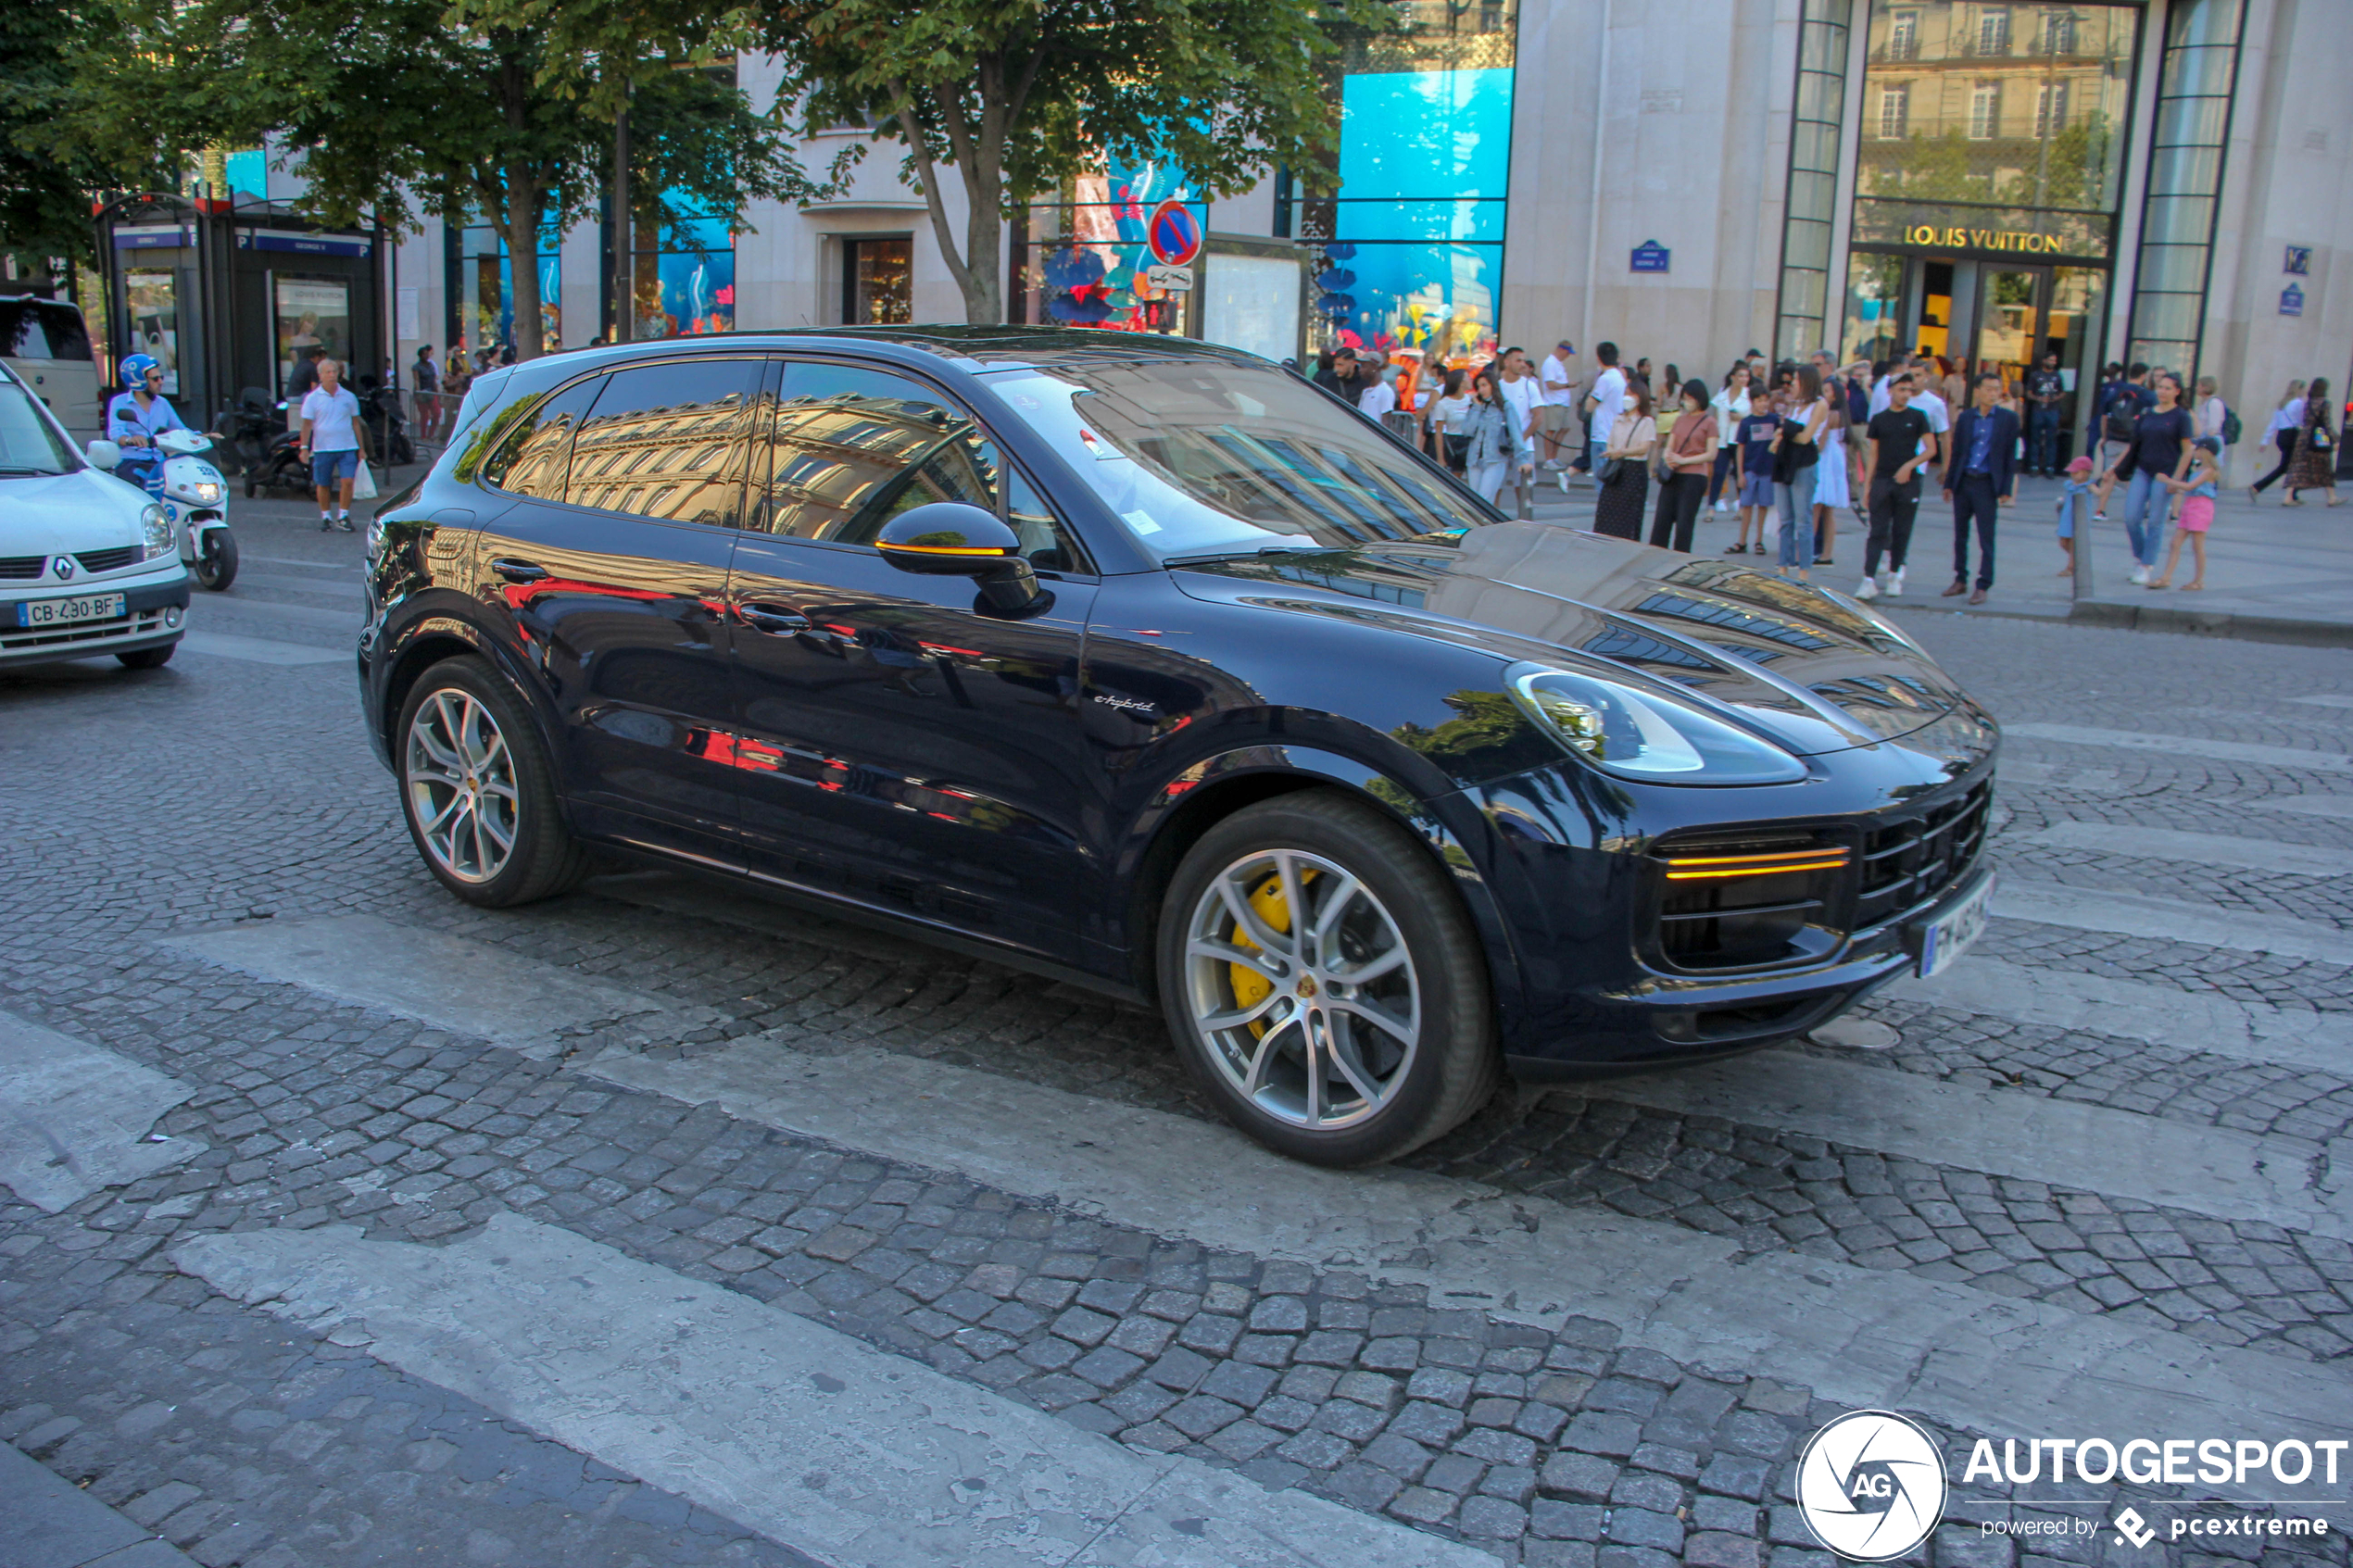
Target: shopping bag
{"points": [[363, 484]]}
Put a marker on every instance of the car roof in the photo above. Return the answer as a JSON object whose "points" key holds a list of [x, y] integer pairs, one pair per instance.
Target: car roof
{"points": [[970, 350]]}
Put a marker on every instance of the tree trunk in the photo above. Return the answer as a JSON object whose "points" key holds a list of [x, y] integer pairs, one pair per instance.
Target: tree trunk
{"points": [[625, 243], [984, 279], [524, 199]]}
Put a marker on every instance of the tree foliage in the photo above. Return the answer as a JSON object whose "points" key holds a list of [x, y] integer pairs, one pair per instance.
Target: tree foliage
{"points": [[45, 179], [1020, 95], [397, 108]]}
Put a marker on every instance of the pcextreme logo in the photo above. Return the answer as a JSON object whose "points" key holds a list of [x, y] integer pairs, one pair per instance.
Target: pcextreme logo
{"points": [[1871, 1486]]}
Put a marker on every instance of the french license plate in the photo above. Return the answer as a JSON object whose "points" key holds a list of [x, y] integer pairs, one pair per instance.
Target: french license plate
{"points": [[59, 612], [1947, 937]]}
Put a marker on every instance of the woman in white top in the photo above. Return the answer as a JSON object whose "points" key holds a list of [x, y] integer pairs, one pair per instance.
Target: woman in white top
{"points": [[2286, 420], [1730, 407], [1831, 490], [2209, 411], [1444, 418]]}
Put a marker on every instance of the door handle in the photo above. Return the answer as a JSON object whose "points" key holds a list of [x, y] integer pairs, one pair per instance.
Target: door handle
{"points": [[518, 570], [773, 619]]}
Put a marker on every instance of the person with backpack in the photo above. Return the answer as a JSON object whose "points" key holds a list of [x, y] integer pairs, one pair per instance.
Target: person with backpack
{"points": [[2214, 418], [2122, 404]]}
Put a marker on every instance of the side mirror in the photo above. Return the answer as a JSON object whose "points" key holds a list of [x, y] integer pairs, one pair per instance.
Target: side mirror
{"points": [[105, 455], [956, 539]]}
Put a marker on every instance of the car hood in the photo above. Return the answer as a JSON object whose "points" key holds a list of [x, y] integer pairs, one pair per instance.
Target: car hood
{"points": [[1810, 669], [56, 514]]}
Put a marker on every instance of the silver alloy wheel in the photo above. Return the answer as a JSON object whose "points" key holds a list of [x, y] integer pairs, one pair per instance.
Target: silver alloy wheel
{"points": [[1317, 1019], [460, 780]]}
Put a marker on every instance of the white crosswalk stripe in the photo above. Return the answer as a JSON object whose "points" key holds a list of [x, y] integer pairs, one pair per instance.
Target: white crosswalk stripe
{"points": [[853, 1455], [2338, 808], [448, 981], [2188, 746], [2161, 1015], [74, 1117], [261, 650], [2171, 920], [2204, 848], [2325, 700]]}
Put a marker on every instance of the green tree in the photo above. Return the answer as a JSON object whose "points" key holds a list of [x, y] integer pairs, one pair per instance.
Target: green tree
{"points": [[1019, 96], [45, 179], [401, 107]]}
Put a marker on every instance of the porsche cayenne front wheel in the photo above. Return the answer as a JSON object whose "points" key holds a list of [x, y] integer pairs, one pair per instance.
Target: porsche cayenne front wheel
{"points": [[1324, 982]]}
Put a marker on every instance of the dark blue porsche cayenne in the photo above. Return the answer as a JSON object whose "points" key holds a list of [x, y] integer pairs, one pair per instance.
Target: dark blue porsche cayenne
{"points": [[1148, 665]]}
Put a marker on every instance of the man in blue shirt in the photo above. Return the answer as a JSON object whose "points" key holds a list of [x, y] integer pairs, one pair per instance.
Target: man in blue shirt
{"points": [[135, 417], [1980, 473]]}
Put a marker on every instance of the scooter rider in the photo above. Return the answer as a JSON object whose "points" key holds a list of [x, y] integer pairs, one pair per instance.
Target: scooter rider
{"points": [[136, 417]]}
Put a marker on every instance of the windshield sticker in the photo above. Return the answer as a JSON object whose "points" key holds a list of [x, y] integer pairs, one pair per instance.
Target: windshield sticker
{"points": [[1141, 520]]}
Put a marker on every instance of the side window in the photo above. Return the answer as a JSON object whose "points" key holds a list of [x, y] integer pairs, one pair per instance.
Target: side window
{"points": [[854, 448], [534, 443], [670, 441]]}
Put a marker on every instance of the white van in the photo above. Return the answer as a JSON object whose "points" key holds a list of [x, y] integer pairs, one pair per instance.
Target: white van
{"points": [[45, 341]]}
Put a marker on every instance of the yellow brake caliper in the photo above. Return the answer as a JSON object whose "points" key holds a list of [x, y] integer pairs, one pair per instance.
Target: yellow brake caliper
{"points": [[1269, 905]]}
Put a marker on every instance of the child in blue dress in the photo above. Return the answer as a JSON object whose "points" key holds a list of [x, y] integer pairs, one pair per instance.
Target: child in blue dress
{"points": [[2074, 501]]}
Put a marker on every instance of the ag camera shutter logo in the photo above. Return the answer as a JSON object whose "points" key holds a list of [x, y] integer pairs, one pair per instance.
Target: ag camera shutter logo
{"points": [[1871, 1486]]}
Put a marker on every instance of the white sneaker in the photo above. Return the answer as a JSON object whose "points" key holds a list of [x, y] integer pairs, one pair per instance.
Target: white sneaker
{"points": [[1563, 477], [1869, 590], [1723, 505], [1895, 583], [2140, 576], [1551, 464]]}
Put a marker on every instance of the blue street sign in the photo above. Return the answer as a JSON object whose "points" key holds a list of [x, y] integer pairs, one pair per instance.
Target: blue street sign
{"points": [[1650, 256], [2292, 301], [2298, 260]]}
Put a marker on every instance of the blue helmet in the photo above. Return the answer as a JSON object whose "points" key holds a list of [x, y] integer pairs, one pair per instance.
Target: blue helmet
{"points": [[136, 369]]}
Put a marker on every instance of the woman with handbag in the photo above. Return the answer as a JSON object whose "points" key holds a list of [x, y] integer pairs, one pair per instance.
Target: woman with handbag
{"points": [[1796, 456], [1625, 467], [1493, 445], [1690, 454], [2314, 466]]}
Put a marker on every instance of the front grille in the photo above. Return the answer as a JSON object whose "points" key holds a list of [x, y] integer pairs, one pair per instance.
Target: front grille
{"points": [[108, 560], [1909, 862], [1729, 901], [23, 566]]}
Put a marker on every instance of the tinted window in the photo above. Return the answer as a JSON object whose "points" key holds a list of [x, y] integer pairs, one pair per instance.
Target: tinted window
{"points": [[536, 441], [42, 329], [28, 442], [668, 441], [853, 447], [1213, 455]]}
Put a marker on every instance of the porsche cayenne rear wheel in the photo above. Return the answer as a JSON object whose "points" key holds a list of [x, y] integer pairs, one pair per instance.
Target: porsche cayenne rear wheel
{"points": [[1324, 982], [478, 792]]}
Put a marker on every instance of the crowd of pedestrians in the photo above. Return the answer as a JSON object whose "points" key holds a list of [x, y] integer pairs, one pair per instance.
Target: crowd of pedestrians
{"points": [[1782, 450]]}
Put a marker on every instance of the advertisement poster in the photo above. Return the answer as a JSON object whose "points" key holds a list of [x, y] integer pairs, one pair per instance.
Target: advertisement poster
{"points": [[688, 287], [314, 317], [152, 302]]}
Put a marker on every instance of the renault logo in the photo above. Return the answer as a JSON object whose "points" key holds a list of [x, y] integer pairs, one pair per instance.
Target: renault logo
{"points": [[63, 566]]}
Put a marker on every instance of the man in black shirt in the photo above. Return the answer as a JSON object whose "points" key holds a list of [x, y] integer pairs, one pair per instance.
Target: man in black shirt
{"points": [[1341, 380], [1894, 447], [2045, 389]]}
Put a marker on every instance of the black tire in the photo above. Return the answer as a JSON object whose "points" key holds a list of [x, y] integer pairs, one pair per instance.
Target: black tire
{"points": [[217, 566], [545, 859], [1455, 1066], [149, 659]]}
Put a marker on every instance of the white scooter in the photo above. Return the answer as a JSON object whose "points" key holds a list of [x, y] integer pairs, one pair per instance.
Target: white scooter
{"points": [[196, 500]]}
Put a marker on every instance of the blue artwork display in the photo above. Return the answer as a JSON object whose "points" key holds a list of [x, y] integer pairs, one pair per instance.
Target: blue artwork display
{"points": [[1425, 161]]}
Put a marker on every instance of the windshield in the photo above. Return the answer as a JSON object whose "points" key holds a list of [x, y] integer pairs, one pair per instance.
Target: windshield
{"points": [[42, 329], [28, 442], [1209, 456]]}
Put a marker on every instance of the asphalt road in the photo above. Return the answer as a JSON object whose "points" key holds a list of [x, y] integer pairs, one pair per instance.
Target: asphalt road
{"points": [[658, 1224]]}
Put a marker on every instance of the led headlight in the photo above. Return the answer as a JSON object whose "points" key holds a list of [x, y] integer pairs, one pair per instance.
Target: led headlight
{"points": [[208, 492], [1644, 734], [157, 523]]}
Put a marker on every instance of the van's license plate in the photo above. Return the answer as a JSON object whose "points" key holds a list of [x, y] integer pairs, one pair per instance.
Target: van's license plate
{"points": [[1948, 936], [59, 612]]}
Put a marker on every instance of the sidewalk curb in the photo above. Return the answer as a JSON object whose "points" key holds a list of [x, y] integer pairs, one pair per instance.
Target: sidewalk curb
{"points": [[2108, 615]]}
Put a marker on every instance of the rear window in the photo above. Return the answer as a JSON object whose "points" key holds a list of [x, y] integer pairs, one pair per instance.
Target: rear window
{"points": [[42, 329]]}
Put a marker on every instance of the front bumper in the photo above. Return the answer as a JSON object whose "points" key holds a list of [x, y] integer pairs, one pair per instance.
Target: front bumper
{"points": [[1600, 989], [155, 612]]}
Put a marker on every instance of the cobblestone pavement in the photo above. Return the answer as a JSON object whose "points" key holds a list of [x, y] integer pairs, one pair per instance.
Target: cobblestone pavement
{"points": [[237, 794]]}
